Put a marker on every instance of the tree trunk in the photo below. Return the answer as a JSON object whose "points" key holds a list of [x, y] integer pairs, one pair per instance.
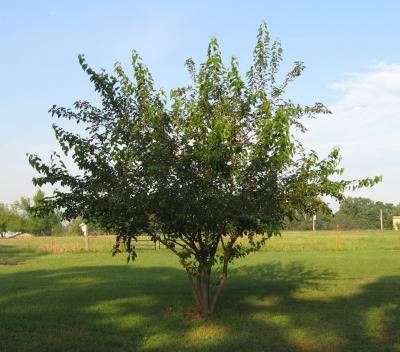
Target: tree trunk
{"points": [[200, 283]]}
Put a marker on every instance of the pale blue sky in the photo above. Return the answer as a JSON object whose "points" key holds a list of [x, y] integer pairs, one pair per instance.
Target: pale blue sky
{"points": [[351, 50]]}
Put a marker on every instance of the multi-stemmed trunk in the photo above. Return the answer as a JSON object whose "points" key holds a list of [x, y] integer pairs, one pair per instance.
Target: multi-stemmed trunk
{"points": [[199, 272], [206, 298]]}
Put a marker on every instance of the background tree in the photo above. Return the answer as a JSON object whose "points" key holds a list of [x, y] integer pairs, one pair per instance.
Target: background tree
{"points": [[33, 220], [364, 213], [325, 221], [6, 218], [200, 170], [24, 216], [353, 213]]}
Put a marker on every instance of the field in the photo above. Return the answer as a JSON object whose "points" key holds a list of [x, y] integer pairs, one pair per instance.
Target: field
{"points": [[303, 292]]}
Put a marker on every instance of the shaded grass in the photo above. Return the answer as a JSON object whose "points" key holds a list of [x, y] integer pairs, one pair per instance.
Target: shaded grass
{"points": [[313, 298]]}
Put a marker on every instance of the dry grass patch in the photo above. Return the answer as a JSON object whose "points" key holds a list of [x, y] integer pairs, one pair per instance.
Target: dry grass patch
{"points": [[203, 333]]}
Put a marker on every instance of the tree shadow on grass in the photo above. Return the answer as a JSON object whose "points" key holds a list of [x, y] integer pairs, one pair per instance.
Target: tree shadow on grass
{"points": [[14, 255], [132, 308], [368, 320], [277, 278]]}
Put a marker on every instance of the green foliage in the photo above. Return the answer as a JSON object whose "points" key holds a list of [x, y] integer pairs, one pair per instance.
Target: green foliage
{"points": [[198, 169], [364, 213], [324, 221], [24, 216], [7, 218], [354, 213], [72, 228]]}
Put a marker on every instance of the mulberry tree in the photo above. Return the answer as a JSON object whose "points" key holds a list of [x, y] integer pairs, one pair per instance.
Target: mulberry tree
{"points": [[211, 170]]}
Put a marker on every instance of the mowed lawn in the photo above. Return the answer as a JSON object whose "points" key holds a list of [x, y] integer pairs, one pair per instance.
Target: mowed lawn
{"points": [[303, 292]]}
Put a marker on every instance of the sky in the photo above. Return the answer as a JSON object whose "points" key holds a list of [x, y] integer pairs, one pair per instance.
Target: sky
{"points": [[350, 48]]}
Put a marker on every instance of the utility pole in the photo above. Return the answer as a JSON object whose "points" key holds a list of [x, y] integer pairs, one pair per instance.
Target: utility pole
{"points": [[381, 220]]}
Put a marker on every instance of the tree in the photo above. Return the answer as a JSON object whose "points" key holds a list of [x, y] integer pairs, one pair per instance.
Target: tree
{"points": [[6, 217], [364, 213], [324, 221], [25, 216], [28, 216], [211, 171]]}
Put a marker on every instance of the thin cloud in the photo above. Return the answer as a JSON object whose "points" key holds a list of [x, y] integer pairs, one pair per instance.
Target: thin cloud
{"points": [[365, 124]]}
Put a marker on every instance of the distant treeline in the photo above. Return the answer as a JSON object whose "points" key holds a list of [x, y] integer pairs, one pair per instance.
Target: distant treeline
{"points": [[354, 213], [23, 216]]}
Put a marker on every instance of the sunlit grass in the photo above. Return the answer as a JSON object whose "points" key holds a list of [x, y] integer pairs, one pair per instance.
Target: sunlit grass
{"points": [[323, 291], [289, 241]]}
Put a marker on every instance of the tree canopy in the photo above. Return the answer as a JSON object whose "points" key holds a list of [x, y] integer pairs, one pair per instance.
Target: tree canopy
{"points": [[364, 213], [23, 216], [210, 170], [353, 213]]}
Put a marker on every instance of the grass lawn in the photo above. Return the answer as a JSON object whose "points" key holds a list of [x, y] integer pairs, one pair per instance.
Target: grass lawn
{"points": [[303, 292]]}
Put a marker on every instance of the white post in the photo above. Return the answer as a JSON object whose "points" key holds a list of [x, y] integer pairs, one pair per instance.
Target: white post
{"points": [[85, 235], [313, 222], [381, 220]]}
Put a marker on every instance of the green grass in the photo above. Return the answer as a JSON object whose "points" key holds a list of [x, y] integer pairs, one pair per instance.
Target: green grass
{"points": [[303, 292]]}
